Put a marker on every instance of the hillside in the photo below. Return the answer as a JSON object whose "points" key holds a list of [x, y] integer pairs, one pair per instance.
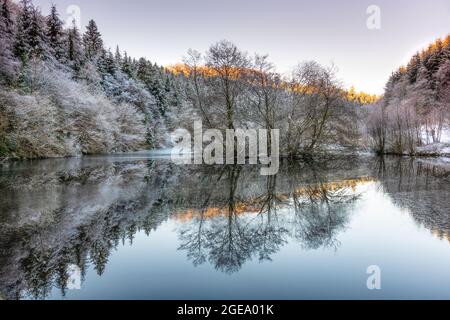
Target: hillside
{"points": [[413, 115], [64, 94]]}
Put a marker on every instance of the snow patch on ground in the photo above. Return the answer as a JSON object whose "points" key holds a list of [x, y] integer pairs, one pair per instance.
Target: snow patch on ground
{"points": [[445, 135], [435, 149], [445, 138]]}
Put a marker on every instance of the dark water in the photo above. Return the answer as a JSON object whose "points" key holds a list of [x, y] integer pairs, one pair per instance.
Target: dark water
{"points": [[140, 227]]}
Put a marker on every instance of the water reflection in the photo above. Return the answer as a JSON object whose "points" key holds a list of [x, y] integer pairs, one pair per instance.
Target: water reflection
{"points": [[421, 187], [60, 216]]}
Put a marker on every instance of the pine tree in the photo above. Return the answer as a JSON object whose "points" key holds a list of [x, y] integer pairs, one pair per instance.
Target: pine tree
{"points": [[106, 63], [7, 61], [446, 48], [168, 85], [111, 63], [74, 48], [6, 22], [157, 89], [171, 95], [118, 56], [36, 36], [142, 70], [92, 40], [55, 34], [21, 44], [413, 68], [149, 74], [127, 67], [434, 58]]}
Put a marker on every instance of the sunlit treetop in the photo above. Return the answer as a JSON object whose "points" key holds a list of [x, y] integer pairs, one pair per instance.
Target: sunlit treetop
{"points": [[351, 95]]}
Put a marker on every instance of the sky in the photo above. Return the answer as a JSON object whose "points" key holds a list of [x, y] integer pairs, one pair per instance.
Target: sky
{"points": [[289, 31]]}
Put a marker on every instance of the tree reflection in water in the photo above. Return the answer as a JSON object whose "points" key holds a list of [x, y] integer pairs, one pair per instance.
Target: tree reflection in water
{"points": [[58, 215], [257, 221]]}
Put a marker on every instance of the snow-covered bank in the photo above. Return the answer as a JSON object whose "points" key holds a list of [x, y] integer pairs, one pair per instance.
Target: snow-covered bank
{"points": [[445, 135], [435, 150], [65, 118]]}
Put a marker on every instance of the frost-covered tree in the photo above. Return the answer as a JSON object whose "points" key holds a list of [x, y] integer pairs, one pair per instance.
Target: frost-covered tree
{"points": [[36, 36], [22, 43], [415, 104], [126, 65], [74, 48], [6, 22], [8, 63], [413, 68], [315, 102], [92, 41], [228, 62], [154, 81], [118, 57], [83, 103], [264, 96], [110, 63], [55, 34], [30, 42]]}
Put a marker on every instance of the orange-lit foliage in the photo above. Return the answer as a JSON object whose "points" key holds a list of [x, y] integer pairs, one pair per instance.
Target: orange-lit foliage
{"points": [[437, 45], [441, 234], [351, 95], [332, 186], [205, 71], [185, 70], [314, 191], [361, 97]]}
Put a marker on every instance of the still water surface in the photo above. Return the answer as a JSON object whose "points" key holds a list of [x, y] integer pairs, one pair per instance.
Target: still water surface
{"points": [[137, 226]]}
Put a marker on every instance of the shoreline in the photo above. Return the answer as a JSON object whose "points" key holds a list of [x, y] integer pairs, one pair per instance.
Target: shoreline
{"points": [[300, 156]]}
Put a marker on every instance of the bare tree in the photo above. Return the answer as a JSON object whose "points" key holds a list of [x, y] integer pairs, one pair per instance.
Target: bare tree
{"points": [[264, 94], [228, 64], [315, 94], [193, 62]]}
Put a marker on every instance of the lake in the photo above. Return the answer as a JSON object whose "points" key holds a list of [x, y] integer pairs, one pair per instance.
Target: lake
{"points": [[137, 226]]}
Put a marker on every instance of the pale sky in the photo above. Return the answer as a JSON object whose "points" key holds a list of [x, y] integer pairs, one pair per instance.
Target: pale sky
{"points": [[290, 31]]}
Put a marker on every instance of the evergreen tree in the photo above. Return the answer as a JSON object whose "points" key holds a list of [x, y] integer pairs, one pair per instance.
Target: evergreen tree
{"points": [[157, 89], [106, 71], [55, 34], [7, 61], [142, 70], [127, 66], [6, 22], [434, 58], [413, 68], [168, 85], [154, 82], [92, 40], [446, 48], [106, 64], [74, 48], [171, 94], [118, 56], [111, 63], [37, 39], [21, 44]]}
